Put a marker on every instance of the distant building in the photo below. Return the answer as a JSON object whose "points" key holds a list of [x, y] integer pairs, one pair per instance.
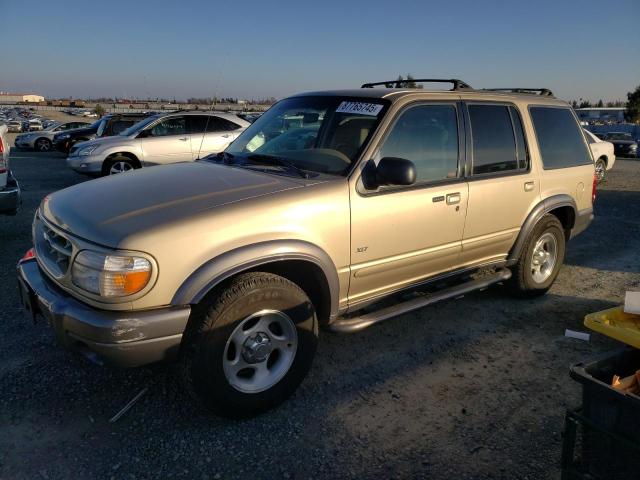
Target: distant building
{"points": [[6, 97], [604, 114]]}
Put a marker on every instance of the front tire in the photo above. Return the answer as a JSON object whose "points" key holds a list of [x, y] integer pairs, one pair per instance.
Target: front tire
{"points": [[601, 170], [540, 260], [250, 345], [119, 164]]}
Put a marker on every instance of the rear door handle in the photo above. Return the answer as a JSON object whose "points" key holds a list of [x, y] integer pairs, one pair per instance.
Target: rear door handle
{"points": [[528, 186], [453, 198], [226, 135], [184, 139]]}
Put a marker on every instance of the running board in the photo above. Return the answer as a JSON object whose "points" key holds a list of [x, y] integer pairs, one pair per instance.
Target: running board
{"points": [[351, 325]]}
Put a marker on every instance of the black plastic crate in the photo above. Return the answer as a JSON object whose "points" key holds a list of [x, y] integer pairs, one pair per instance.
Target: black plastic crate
{"points": [[610, 439]]}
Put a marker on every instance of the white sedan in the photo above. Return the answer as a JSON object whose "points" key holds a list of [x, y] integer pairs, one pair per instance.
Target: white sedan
{"points": [[603, 155]]}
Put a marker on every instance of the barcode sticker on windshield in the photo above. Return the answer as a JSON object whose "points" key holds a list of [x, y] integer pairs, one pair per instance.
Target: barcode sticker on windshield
{"points": [[372, 109]]}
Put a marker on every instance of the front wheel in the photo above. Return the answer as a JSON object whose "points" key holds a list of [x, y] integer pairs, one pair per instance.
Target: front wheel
{"points": [[250, 345], [540, 260], [118, 165]]}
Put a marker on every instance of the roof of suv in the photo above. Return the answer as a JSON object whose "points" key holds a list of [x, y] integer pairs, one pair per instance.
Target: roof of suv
{"points": [[395, 94]]}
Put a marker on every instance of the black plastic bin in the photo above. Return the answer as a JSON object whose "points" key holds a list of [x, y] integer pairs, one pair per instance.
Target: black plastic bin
{"points": [[610, 441]]}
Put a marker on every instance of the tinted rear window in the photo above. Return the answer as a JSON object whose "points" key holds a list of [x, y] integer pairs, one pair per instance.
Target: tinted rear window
{"points": [[559, 137]]}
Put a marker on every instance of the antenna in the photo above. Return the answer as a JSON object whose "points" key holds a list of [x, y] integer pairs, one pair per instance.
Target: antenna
{"points": [[213, 99]]}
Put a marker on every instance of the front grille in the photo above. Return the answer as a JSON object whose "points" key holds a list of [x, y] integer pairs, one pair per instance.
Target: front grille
{"points": [[53, 249]]}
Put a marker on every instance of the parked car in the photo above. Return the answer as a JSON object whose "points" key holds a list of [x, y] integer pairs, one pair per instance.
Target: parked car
{"points": [[108, 125], [623, 143], [43, 141], [35, 125], [232, 264], [9, 188], [603, 155], [157, 140], [14, 126]]}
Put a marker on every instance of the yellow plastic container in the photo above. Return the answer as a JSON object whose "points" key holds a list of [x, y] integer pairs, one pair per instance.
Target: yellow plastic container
{"points": [[616, 324]]}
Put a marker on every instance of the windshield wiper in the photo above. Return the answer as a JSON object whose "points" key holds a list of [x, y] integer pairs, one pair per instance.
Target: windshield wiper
{"points": [[264, 159]]}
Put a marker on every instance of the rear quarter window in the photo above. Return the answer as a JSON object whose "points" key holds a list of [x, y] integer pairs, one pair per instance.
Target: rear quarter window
{"points": [[559, 136]]}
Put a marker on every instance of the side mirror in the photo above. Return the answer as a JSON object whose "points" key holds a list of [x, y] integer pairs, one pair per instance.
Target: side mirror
{"points": [[143, 134], [395, 171]]}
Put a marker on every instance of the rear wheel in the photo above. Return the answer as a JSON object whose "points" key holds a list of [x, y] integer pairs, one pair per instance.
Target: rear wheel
{"points": [[42, 144], [601, 169], [250, 345], [540, 260], [119, 164]]}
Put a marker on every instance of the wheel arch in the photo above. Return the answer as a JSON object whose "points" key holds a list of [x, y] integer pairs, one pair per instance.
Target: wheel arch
{"points": [[563, 206], [129, 155], [304, 263]]}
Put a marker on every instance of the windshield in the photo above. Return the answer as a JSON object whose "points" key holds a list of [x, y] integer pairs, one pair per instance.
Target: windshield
{"points": [[136, 127], [319, 134], [619, 136]]}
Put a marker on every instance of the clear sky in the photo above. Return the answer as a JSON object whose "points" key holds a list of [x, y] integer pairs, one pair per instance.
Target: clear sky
{"points": [[588, 49]]}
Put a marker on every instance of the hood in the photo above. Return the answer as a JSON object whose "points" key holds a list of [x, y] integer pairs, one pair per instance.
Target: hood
{"points": [[79, 131], [107, 210], [106, 142]]}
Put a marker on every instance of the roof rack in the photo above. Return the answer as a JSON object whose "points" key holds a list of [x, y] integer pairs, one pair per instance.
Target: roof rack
{"points": [[457, 84], [544, 92]]}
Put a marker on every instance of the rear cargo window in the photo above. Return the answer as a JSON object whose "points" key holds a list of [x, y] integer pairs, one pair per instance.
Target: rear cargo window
{"points": [[494, 145], [560, 140]]}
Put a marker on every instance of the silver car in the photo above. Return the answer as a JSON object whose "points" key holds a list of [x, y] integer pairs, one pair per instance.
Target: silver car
{"points": [[157, 140], [43, 140]]}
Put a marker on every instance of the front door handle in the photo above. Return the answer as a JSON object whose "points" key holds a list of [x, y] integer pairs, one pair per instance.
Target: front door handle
{"points": [[528, 186], [184, 139], [453, 198], [226, 135]]}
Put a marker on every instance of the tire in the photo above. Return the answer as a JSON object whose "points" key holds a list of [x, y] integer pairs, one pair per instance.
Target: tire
{"points": [[529, 277], [42, 145], [601, 170], [221, 363], [119, 164]]}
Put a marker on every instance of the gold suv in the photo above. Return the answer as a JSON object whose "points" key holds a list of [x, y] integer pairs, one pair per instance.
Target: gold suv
{"points": [[381, 197]]}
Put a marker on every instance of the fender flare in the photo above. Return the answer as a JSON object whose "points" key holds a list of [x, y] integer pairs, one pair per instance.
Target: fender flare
{"points": [[230, 263], [541, 209]]}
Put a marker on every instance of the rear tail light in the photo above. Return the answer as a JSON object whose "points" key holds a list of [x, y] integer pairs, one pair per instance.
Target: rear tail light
{"points": [[31, 253], [593, 189], [3, 165]]}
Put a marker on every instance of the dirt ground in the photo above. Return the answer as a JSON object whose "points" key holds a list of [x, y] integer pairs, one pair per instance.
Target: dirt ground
{"points": [[470, 388]]}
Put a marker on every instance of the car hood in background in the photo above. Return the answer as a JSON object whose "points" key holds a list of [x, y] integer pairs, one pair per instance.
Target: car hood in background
{"points": [[107, 210]]}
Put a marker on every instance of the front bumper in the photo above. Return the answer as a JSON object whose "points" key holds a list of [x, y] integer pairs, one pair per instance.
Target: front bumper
{"points": [[121, 338], [10, 196], [88, 164]]}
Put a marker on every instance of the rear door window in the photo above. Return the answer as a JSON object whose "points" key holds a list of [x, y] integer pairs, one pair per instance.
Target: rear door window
{"points": [[494, 143], [560, 139]]}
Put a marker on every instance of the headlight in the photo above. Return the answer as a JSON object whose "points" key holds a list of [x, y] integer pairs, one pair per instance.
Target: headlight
{"points": [[63, 137], [87, 150], [110, 275]]}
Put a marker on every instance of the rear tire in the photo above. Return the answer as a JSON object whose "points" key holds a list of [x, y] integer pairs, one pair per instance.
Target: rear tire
{"points": [[42, 145], [248, 346], [119, 164], [601, 170], [540, 260]]}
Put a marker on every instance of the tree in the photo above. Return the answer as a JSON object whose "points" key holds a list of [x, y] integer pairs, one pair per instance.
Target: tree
{"points": [[600, 104], [99, 109], [632, 112]]}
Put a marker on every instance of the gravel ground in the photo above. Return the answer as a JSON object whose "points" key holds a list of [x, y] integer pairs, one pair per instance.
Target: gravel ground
{"points": [[471, 388]]}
